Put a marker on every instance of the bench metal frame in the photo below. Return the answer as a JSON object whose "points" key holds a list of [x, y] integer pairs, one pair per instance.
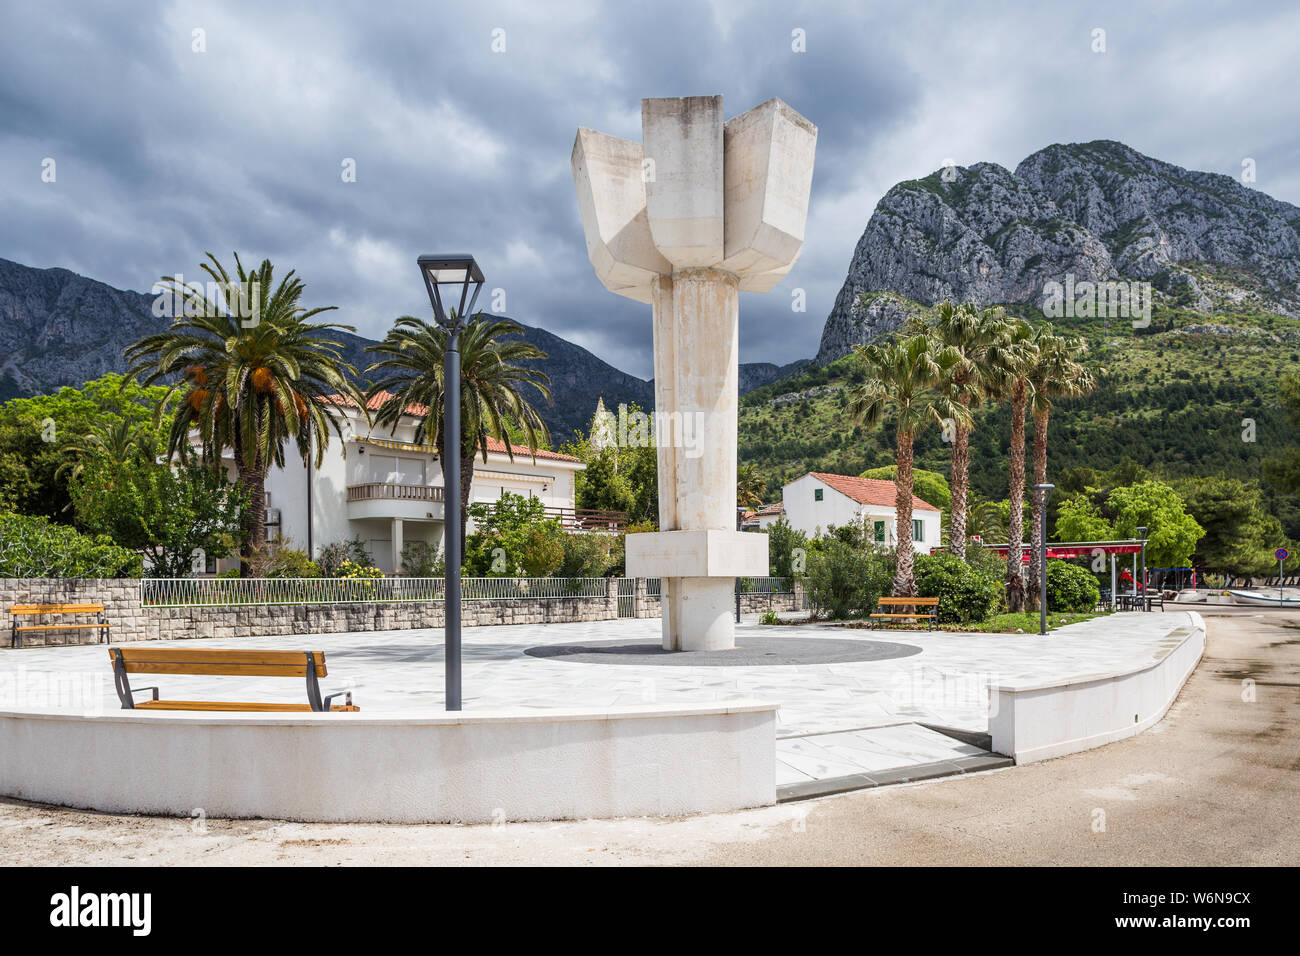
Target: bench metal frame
{"points": [[125, 693], [16, 630]]}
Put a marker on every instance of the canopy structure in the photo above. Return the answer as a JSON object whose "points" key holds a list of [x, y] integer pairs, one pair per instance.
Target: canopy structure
{"points": [[1069, 549]]}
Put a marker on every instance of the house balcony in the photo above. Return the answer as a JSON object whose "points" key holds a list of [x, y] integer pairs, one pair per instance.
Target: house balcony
{"points": [[589, 519], [391, 500]]}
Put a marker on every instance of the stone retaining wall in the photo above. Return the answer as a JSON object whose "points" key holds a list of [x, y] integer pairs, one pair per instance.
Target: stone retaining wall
{"points": [[131, 622]]}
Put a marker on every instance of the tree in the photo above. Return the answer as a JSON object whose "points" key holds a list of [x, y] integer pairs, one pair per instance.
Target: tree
{"points": [[1013, 359], [167, 513], [902, 376], [248, 385], [1171, 532], [1285, 471], [930, 486], [35, 547], [751, 487], [1079, 518], [40, 437], [1240, 533], [493, 382], [512, 536], [622, 472], [787, 550], [1057, 372], [975, 337]]}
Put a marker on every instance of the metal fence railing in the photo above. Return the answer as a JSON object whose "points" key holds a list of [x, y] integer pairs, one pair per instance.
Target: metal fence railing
{"points": [[766, 585], [223, 592]]}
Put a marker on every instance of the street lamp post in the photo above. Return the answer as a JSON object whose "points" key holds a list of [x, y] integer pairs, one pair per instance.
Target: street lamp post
{"points": [[1142, 581], [451, 273], [1044, 491]]}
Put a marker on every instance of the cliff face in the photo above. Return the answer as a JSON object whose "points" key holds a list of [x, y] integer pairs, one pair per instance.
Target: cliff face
{"points": [[1098, 211]]}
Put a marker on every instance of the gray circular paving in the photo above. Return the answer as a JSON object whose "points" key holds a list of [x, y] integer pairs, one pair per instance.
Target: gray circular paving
{"points": [[750, 651]]}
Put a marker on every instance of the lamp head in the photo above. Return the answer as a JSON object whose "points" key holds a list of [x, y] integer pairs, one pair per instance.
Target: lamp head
{"points": [[451, 275]]}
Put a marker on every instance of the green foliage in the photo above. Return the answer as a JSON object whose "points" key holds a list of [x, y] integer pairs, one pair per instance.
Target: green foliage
{"points": [[511, 537], [769, 617], [288, 562], [1079, 518], [844, 581], [1171, 531], [930, 486], [589, 555], [39, 438], [167, 513], [420, 560], [1070, 588], [359, 572], [1240, 534], [622, 475], [34, 547], [967, 594], [787, 550], [333, 556]]}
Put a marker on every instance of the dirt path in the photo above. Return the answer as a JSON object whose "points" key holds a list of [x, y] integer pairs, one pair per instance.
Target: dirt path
{"points": [[1216, 782]]}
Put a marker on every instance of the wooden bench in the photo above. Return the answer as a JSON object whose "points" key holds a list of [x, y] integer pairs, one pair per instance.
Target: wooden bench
{"points": [[225, 662], [18, 610], [926, 608]]}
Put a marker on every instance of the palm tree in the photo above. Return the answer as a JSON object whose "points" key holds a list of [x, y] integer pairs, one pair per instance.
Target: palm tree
{"points": [[903, 375], [118, 440], [247, 386], [493, 378], [1013, 360], [974, 336], [751, 487], [1058, 372]]}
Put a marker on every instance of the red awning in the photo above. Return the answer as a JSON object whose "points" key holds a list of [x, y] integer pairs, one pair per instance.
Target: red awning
{"points": [[1067, 550]]}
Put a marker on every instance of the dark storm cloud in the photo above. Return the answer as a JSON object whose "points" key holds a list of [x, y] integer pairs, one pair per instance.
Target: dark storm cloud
{"points": [[164, 153]]}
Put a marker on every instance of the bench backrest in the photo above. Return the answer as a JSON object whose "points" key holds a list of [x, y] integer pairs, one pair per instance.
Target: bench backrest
{"points": [[911, 601], [56, 609], [228, 662]]}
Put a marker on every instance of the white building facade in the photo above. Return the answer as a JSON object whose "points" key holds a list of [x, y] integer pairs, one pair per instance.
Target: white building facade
{"points": [[378, 484], [818, 500]]}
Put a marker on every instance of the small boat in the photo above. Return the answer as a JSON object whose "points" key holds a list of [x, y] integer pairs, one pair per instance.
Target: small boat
{"points": [[1263, 598]]}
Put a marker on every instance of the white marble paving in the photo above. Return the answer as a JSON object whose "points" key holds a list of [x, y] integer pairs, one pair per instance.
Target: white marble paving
{"points": [[400, 671]]}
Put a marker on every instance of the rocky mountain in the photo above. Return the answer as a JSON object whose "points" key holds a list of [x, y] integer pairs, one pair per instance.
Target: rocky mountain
{"points": [[1098, 211]]}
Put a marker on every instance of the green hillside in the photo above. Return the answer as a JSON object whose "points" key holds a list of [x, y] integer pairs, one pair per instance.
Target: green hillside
{"points": [[1172, 399]]}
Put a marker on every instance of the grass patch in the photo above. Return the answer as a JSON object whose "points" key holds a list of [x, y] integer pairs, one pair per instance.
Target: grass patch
{"points": [[1012, 623]]}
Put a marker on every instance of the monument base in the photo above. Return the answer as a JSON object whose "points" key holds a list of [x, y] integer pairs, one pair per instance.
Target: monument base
{"points": [[697, 572]]}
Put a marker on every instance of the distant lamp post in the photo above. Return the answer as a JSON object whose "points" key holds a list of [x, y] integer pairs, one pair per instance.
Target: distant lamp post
{"points": [[1142, 580], [1042, 492], [452, 276]]}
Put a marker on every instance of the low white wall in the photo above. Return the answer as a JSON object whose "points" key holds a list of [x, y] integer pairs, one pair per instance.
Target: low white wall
{"points": [[1035, 721], [470, 768]]}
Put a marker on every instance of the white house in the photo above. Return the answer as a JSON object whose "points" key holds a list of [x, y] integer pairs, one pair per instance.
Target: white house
{"points": [[762, 517], [380, 485], [818, 500]]}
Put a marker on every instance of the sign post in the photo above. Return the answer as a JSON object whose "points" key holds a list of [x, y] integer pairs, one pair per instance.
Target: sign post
{"points": [[1281, 554]]}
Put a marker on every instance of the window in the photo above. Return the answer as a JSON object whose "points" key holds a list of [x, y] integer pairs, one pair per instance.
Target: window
{"points": [[878, 532], [918, 530], [817, 494]]}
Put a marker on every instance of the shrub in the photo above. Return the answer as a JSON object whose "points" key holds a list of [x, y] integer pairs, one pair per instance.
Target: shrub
{"points": [[513, 536], [287, 562], [844, 581], [419, 560], [587, 555], [33, 547], [1070, 588], [967, 595], [332, 556], [769, 617], [787, 550]]}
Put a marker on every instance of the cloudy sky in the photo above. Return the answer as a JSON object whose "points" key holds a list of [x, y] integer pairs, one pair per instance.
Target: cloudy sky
{"points": [[163, 152]]}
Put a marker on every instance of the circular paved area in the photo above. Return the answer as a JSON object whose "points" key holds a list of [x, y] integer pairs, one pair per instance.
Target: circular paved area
{"points": [[751, 650]]}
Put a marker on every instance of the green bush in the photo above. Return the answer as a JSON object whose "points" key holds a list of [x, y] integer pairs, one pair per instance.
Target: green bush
{"points": [[1070, 588], [844, 581], [419, 560], [967, 595], [587, 555], [787, 550], [290, 562], [333, 556], [33, 547]]}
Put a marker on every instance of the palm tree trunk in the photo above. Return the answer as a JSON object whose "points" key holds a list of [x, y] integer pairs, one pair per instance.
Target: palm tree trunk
{"points": [[1036, 504], [960, 485], [904, 576], [466, 479], [252, 557], [1015, 583]]}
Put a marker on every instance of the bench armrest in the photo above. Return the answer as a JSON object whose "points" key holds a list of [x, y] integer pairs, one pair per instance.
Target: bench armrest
{"points": [[347, 694], [138, 690]]}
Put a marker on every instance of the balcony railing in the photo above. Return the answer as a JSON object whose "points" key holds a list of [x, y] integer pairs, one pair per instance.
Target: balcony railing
{"points": [[383, 491], [588, 519]]}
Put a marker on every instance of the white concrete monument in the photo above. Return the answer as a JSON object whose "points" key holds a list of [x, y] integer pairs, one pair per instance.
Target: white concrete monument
{"points": [[698, 212]]}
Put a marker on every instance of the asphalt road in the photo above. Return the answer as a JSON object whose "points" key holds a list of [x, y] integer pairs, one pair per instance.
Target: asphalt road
{"points": [[1215, 783]]}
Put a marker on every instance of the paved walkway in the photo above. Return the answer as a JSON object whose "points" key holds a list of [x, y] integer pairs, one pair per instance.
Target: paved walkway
{"points": [[836, 719]]}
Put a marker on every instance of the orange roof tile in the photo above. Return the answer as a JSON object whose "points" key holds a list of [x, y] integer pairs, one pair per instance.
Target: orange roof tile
{"points": [[869, 491]]}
